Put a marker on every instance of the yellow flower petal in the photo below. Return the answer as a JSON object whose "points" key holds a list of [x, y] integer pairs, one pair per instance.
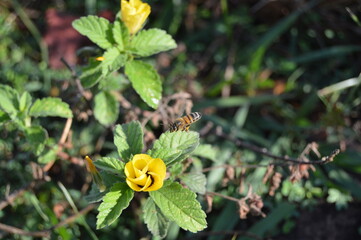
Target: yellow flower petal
{"points": [[142, 156], [145, 173], [158, 166], [139, 180], [129, 170], [133, 186], [148, 183], [134, 13], [157, 182]]}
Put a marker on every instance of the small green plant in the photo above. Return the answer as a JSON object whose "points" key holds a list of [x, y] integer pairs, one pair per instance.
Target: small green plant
{"points": [[17, 112], [168, 200], [124, 44]]}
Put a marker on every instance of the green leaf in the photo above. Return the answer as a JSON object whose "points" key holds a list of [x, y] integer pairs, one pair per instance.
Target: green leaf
{"points": [[9, 100], [185, 142], [167, 155], [109, 178], [195, 181], [50, 107], [91, 74], [180, 205], [97, 29], [25, 102], [48, 155], [4, 117], [36, 137], [110, 164], [94, 195], [114, 202], [151, 41], [113, 60], [206, 151], [176, 170], [128, 138], [340, 199], [156, 222], [146, 82], [106, 108], [120, 34], [113, 82]]}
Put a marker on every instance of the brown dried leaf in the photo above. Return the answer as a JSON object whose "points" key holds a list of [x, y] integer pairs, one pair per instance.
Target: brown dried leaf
{"points": [[256, 204], [59, 209], [243, 209], [275, 183]]}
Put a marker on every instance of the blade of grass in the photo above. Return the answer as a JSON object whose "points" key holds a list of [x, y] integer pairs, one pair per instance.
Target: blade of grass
{"points": [[236, 101], [340, 86], [331, 52], [75, 209]]}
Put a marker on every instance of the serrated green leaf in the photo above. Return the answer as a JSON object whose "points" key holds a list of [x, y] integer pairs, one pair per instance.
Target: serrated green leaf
{"points": [[91, 74], [113, 60], [114, 202], [109, 164], [180, 205], [120, 34], [151, 41], [195, 181], [128, 138], [9, 100], [156, 222], [167, 155], [206, 151], [113, 82], [106, 108], [175, 170], [49, 106], [48, 155], [36, 136], [185, 142], [97, 29], [146, 81]]}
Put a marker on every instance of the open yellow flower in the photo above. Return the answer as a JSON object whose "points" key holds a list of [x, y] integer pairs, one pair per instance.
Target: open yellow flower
{"points": [[145, 173], [134, 13]]}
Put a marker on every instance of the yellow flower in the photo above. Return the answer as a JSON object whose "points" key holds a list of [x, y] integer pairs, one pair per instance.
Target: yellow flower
{"points": [[134, 13], [145, 173]]}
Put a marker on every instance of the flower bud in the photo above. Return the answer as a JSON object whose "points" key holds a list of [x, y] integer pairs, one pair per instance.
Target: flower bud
{"points": [[134, 13]]}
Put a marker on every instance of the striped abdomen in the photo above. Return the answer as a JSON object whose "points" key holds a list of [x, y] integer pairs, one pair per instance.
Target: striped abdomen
{"points": [[183, 123]]}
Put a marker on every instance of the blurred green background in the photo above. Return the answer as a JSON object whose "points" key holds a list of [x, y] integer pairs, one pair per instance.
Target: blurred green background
{"points": [[276, 74]]}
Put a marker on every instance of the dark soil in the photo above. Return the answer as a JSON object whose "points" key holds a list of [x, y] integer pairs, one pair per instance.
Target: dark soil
{"points": [[325, 222]]}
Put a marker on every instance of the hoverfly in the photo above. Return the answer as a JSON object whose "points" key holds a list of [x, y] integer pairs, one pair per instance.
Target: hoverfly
{"points": [[183, 123]]}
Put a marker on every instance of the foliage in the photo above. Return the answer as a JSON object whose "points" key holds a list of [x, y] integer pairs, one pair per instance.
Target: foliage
{"points": [[269, 78], [120, 51], [172, 201]]}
